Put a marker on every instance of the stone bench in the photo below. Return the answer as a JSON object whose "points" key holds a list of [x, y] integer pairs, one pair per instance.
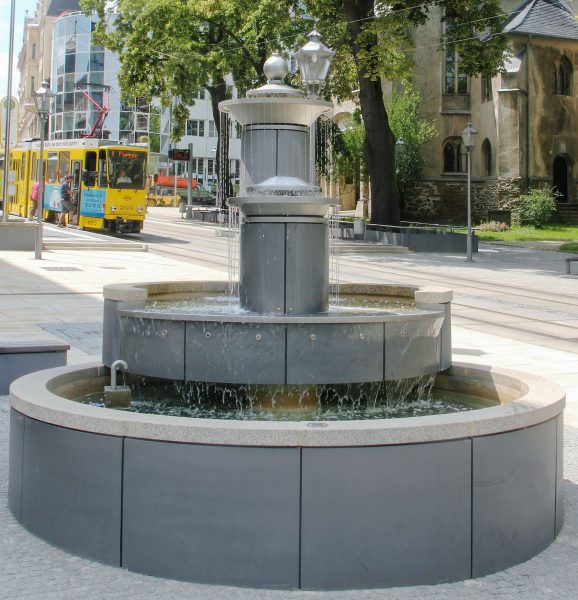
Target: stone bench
{"points": [[569, 262], [20, 357]]}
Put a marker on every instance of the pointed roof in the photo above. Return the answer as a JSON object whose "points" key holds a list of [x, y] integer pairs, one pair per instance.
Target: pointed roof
{"points": [[547, 18]]}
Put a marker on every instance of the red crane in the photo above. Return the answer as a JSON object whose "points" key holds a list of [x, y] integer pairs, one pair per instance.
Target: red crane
{"points": [[103, 110]]}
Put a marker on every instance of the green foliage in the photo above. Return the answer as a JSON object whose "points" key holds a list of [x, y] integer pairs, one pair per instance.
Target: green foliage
{"points": [[409, 127], [347, 161], [170, 49], [569, 247], [551, 232], [377, 39], [384, 40], [535, 208]]}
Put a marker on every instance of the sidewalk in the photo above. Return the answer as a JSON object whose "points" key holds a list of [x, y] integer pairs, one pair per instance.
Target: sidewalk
{"points": [[61, 296]]}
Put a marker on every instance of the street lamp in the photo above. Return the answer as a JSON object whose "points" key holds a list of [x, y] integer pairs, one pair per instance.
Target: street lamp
{"points": [[468, 137], [314, 60], [42, 100]]}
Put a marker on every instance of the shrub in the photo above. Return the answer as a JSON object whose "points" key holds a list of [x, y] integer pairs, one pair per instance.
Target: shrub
{"points": [[535, 208], [493, 226]]}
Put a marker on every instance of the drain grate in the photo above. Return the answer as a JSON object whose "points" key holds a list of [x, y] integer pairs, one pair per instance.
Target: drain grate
{"points": [[61, 268]]}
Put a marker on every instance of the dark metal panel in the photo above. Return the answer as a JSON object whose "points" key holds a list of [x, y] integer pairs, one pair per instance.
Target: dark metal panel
{"points": [[559, 473], [385, 516], [71, 490], [334, 353], [514, 503], [235, 352], [153, 347], [212, 514], [258, 149], [16, 458], [293, 153], [411, 348], [262, 267], [307, 268]]}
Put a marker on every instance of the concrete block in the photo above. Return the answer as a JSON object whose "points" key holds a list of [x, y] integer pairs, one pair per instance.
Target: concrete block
{"points": [[18, 358]]}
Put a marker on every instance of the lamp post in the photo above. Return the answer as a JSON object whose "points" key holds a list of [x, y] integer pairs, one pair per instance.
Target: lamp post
{"points": [[314, 60], [7, 126], [42, 99], [468, 137]]}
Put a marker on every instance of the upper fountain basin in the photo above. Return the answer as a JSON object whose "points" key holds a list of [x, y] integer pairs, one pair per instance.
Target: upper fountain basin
{"points": [[298, 111]]}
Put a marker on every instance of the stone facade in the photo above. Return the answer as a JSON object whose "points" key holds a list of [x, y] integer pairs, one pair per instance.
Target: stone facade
{"points": [[527, 125], [445, 201]]}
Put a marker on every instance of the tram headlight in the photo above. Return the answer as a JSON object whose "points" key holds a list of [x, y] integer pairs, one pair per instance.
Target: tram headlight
{"points": [[113, 209], [139, 209]]}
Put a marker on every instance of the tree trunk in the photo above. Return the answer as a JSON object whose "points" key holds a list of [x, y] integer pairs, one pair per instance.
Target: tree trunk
{"points": [[379, 139]]}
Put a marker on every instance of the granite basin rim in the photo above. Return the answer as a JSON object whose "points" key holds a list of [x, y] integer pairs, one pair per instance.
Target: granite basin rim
{"points": [[318, 319], [539, 400]]}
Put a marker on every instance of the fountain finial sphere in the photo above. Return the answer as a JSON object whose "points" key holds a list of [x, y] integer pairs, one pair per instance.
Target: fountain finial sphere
{"points": [[275, 68]]}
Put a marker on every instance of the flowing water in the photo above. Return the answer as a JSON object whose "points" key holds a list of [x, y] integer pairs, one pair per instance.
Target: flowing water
{"points": [[346, 402]]}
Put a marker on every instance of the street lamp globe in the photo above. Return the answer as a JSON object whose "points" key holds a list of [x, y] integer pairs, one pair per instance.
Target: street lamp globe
{"points": [[468, 136], [314, 60], [43, 100]]}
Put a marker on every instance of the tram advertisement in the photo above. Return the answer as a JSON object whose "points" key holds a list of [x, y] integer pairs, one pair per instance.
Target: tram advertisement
{"points": [[92, 204], [52, 197]]}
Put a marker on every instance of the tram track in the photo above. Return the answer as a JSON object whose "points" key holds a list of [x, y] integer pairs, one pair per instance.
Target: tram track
{"points": [[477, 285]]}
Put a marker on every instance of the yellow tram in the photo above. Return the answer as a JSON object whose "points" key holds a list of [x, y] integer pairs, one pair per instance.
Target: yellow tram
{"points": [[108, 181]]}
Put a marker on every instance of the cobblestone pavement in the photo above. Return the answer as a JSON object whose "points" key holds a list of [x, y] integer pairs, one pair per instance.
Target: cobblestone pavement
{"points": [[31, 569]]}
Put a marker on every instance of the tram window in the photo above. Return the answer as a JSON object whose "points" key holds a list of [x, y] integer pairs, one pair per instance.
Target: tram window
{"points": [[89, 173], [52, 167], [33, 170], [76, 171], [102, 180], [64, 164], [23, 169], [127, 169]]}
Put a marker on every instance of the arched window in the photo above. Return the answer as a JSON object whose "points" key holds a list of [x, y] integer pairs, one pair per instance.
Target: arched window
{"points": [[455, 79], [563, 77], [452, 156], [487, 157]]}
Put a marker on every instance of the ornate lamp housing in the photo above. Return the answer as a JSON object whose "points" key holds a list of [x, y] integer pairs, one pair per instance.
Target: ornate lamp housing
{"points": [[43, 100], [314, 60], [468, 136]]}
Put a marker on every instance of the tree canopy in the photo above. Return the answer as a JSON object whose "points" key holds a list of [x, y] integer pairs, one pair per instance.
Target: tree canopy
{"points": [[172, 48]]}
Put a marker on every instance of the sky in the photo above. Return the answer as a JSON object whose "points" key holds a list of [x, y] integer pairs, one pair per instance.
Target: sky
{"points": [[20, 9]]}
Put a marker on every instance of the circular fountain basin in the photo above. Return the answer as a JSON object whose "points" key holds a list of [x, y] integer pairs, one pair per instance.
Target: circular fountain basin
{"points": [[255, 348], [312, 505]]}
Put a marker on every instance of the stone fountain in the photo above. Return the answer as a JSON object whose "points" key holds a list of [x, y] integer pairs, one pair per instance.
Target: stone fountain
{"points": [[300, 504]]}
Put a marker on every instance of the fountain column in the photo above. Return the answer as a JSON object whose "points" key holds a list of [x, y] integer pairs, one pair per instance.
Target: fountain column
{"points": [[284, 248]]}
